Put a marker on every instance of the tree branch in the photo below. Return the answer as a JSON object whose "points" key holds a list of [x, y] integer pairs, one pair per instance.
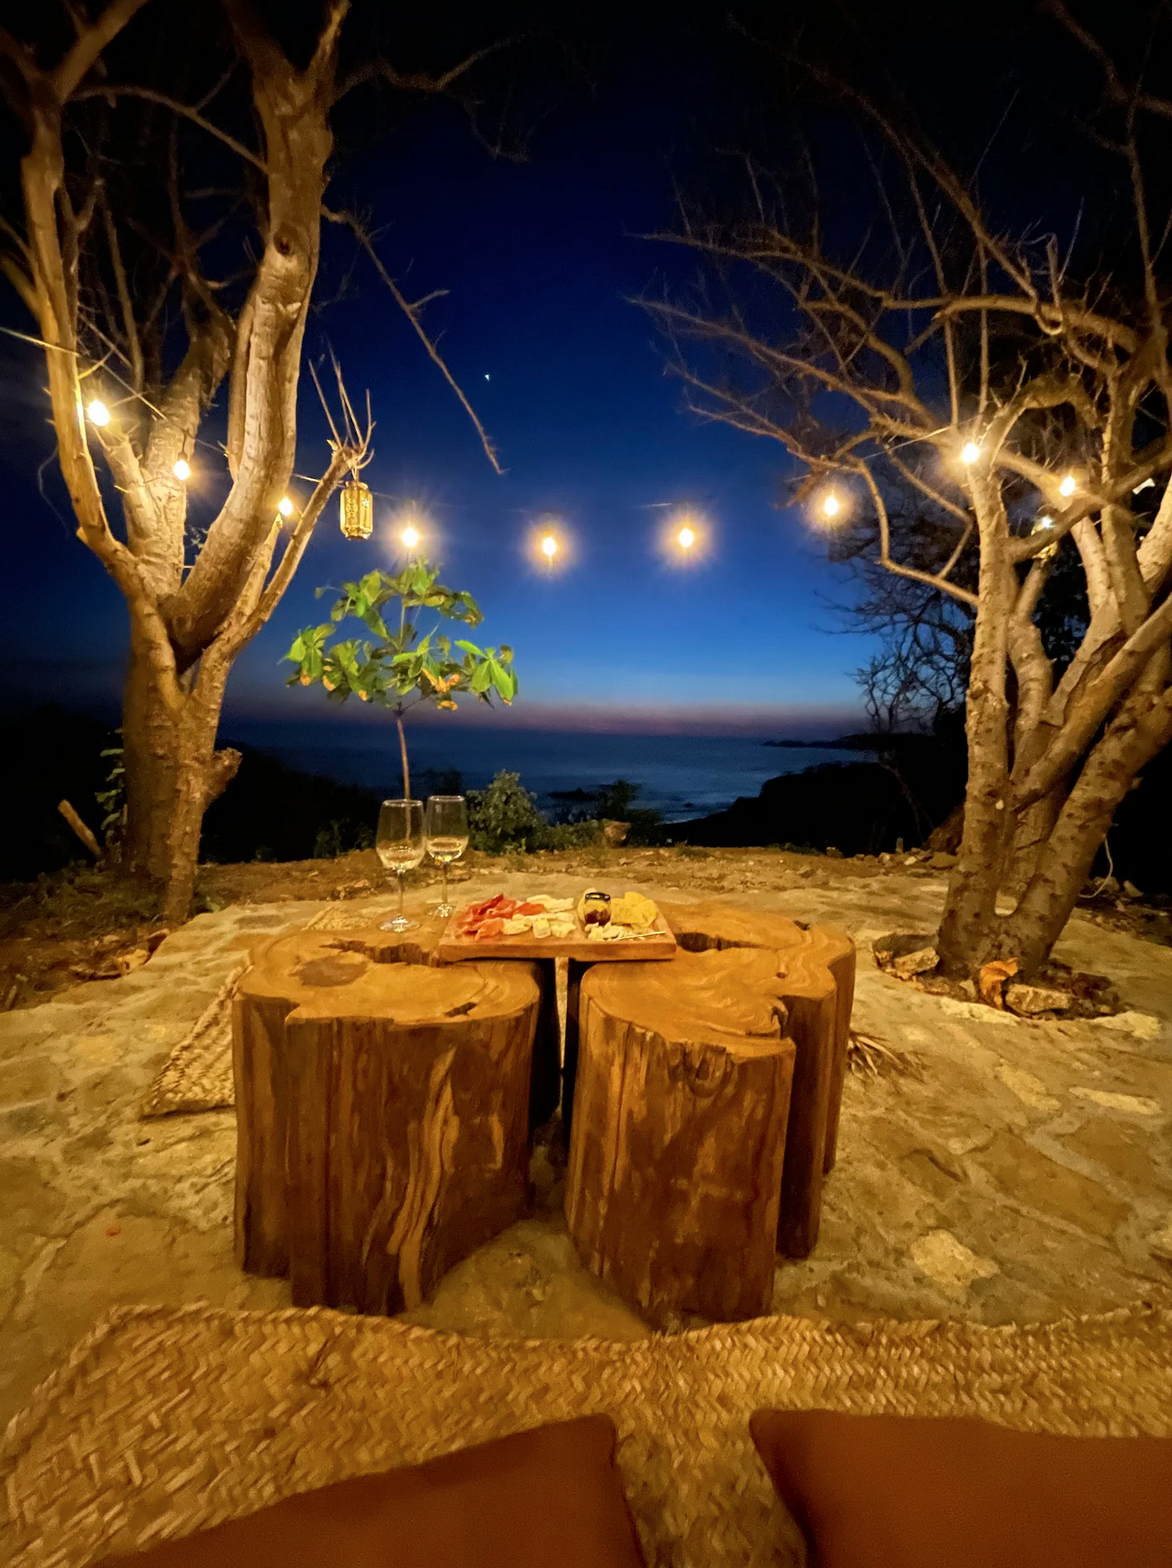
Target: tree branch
{"points": [[412, 313]]}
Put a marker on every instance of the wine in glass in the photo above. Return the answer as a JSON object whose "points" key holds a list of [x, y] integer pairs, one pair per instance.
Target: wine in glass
{"points": [[447, 836], [400, 846]]}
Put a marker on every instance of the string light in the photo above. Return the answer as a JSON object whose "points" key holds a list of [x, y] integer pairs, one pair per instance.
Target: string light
{"points": [[285, 506], [98, 413], [182, 470], [831, 506], [1068, 486], [684, 536], [550, 544], [410, 536], [969, 453]]}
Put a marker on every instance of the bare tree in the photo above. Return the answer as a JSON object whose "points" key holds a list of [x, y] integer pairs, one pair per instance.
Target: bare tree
{"points": [[928, 360], [173, 179]]}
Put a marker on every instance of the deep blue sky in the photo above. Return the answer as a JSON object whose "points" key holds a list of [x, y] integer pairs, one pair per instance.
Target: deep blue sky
{"points": [[569, 379]]}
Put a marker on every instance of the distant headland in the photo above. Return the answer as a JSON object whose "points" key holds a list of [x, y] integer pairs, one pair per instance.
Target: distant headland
{"points": [[843, 743]]}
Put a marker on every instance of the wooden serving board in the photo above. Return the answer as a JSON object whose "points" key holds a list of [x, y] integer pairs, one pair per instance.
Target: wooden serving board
{"points": [[453, 948]]}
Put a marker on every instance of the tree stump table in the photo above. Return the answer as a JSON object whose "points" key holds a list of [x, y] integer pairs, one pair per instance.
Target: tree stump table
{"points": [[817, 980], [646, 1047], [383, 1113], [678, 1141]]}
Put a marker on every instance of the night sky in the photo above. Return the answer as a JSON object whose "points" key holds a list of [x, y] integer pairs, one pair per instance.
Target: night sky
{"points": [[569, 378]]}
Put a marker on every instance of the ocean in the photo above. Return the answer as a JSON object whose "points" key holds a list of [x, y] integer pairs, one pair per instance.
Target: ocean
{"points": [[681, 776]]}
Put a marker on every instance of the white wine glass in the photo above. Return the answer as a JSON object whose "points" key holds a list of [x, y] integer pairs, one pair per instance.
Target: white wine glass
{"points": [[400, 846], [446, 832]]}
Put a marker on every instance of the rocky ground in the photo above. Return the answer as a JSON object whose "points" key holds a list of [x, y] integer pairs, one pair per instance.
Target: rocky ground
{"points": [[1018, 1171]]}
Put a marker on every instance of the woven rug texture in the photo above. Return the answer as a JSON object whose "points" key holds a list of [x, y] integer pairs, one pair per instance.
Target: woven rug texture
{"points": [[197, 1076], [168, 1420]]}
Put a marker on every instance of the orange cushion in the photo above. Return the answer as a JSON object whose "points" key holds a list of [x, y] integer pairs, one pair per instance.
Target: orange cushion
{"points": [[923, 1492], [547, 1496]]}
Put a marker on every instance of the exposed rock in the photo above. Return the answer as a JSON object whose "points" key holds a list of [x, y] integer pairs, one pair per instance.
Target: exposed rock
{"points": [[1030, 1000], [1030, 1177], [615, 833], [1129, 1104], [899, 944], [1120, 1149], [1107, 887], [1160, 1245], [1030, 1091], [832, 853], [920, 962], [942, 861], [949, 1262], [1131, 891], [1145, 1025]]}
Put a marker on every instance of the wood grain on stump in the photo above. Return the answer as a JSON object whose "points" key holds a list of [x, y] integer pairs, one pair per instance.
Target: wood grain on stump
{"points": [[382, 1117], [817, 983], [678, 1141], [421, 945]]}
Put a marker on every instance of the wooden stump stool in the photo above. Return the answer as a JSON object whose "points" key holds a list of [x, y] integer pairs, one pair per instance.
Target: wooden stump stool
{"points": [[678, 1138], [816, 980], [382, 1117]]}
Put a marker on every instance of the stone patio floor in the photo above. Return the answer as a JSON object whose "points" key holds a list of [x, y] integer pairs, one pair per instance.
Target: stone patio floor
{"points": [[1025, 1176]]}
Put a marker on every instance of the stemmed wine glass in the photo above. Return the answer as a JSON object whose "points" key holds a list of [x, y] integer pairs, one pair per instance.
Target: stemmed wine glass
{"points": [[447, 836], [399, 845]]}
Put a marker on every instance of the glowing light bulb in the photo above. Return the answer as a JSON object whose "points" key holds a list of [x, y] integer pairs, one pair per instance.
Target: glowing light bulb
{"points": [[285, 506], [182, 470], [1045, 522], [1068, 486], [98, 413], [410, 536], [686, 538], [549, 547], [970, 452], [831, 506]]}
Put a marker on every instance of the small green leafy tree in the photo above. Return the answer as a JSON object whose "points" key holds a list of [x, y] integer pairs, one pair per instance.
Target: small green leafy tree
{"points": [[399, 669]]}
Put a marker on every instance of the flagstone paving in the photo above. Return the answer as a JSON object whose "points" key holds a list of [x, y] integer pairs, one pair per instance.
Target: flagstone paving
{"points": [[1025, 1173]]}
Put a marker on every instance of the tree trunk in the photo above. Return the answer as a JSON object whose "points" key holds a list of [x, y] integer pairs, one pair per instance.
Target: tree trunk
{"points": [[403, 757], [970, 912], [173, 773], [1026, 848], [1141, 729]]}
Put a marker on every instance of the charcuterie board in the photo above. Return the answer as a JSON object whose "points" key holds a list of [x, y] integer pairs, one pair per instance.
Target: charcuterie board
{"points": [[546, 927]]}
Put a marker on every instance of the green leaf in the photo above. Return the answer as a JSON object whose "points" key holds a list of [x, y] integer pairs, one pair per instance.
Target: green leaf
{"points": [[481, 678], [504, 681], [470, 647]]}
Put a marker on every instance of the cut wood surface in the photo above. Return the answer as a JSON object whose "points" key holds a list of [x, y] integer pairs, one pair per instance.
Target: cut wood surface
{"points": [[382, 1117], [816, 978], [678, 1141]]}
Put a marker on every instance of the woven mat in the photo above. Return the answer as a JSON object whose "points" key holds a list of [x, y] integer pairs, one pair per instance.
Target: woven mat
{"points": [[168, 1420], [197, 1076]]}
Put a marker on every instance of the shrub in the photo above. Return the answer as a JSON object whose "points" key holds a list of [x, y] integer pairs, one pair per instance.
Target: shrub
{"points": [[504, 816], [504, 819], [571, 835]]}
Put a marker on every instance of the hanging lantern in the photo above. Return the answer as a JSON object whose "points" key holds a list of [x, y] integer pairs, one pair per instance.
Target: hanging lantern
{"points": [[357, 510]]}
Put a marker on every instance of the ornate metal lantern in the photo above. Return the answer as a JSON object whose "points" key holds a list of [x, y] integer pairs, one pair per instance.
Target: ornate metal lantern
{"points": [[357, 510]]}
